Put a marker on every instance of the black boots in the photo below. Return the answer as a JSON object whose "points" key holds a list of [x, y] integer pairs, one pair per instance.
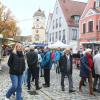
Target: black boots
{"points": [[38, 88]]}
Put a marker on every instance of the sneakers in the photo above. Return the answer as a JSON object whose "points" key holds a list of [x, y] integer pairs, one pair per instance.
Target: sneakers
{"points": [[6, 98]]}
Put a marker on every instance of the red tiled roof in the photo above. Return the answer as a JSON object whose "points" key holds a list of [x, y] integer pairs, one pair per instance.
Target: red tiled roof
{"points": [[71, 8], [90, 5]]}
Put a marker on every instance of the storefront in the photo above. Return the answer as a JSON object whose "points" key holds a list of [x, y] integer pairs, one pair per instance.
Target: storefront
{"points": [[92, 45]]}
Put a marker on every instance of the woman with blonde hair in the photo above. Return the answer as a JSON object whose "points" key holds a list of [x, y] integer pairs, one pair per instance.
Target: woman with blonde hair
{"points": [[16, 65]]}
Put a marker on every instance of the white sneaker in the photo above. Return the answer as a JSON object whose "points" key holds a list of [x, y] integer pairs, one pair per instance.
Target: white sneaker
{"points": [[6, 98]]}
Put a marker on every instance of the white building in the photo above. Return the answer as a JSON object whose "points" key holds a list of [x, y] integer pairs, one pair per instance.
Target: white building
{"points": [[48, 25], [64, 25]]}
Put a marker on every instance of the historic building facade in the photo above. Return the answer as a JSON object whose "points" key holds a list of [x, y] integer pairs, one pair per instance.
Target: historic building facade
{"points": [[38, 28], [48, 26], [90, 25], [64, 25]]}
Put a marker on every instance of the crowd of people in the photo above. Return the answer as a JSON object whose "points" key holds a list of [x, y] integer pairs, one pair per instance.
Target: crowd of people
{"points": [[28, 64]]}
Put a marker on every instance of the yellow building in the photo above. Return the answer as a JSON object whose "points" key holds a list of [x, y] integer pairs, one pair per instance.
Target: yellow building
{"points": [[38, 28]]}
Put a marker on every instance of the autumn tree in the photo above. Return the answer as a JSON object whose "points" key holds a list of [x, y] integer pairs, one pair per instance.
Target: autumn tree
{"points": [[8, 25]]}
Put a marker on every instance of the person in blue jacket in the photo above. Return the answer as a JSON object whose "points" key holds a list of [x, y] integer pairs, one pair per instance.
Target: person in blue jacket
{"points": [[57, 58], [46, 65]]}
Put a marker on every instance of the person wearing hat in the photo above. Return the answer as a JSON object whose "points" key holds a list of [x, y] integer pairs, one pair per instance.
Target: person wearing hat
{"points": [[32, 60], [86, 70], [66, 68]]}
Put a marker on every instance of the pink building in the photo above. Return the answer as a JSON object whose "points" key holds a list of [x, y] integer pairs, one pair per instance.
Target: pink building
{"points": [[90, 25]]}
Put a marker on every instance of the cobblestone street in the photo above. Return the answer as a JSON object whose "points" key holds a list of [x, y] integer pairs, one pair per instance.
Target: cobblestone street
{"points": [[52, 93]]}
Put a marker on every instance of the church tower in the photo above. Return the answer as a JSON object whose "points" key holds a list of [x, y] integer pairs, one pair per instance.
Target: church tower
{"points": [[38, 28]]}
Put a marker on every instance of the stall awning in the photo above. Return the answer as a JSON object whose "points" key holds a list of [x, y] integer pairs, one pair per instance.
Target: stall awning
{"points": [[40, 44]]}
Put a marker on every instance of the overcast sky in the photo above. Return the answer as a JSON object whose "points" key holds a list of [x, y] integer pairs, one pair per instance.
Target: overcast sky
{"points": [[24, 9]]}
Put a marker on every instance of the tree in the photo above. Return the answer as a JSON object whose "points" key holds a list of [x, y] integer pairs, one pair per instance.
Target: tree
{"points": [[8, 25]]}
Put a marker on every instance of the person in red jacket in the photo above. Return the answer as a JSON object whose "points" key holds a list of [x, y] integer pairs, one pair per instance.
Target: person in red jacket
{"points": [[86, 70], [91, 67]]}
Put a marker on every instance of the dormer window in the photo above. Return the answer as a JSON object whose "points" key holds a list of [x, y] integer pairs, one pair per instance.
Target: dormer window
{"points": [[97, 3], [76, 18]]}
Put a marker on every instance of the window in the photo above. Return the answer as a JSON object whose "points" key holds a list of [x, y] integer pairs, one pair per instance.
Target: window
{"points": [[52, 37], [56, 36], [74, 34], [56, 10], [56, 23], [60, 22], [76, 18], [84, 28], [53, 24], [97, 3], [59, 35], [37, 19], [63, 37], [90, 26]]}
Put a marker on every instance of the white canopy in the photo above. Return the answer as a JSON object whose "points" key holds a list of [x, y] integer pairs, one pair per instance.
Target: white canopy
{"points": [[58, 44]]}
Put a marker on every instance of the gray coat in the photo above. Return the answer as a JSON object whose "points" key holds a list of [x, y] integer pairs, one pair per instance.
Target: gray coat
{"points": [[96, 60]]}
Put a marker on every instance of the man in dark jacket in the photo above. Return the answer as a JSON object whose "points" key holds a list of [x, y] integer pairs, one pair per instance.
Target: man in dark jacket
{"points": [[33, 70], [66, 69]]}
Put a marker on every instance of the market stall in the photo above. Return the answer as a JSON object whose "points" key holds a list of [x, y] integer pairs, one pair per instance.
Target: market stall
{"points": [[58, 44]]}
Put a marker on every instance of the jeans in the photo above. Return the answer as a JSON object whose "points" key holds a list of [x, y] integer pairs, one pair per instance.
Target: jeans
{"points": [[25, 76], [16, 87]]}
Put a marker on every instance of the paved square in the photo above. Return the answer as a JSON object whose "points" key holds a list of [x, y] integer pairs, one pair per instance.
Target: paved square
{"points": [[52, 93]]}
